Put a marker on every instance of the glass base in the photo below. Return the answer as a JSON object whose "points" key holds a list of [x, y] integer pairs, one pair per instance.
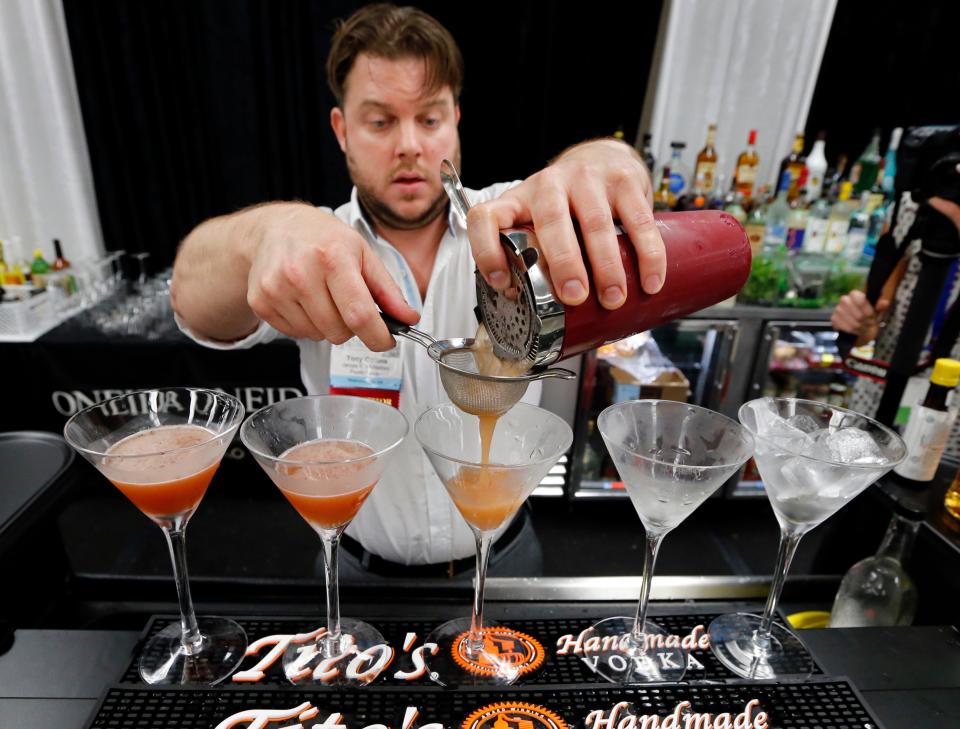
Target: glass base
{"points": [[323, 663], [164, 661], [610, 651], [732, 642], [500, 659]]}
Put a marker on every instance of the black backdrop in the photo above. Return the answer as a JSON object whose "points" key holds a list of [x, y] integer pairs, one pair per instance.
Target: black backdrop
{"points": [[888, 63], [200, 107]]}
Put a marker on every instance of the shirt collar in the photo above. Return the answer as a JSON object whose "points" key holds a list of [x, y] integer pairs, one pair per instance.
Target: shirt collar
{"points": [[358, 221]]}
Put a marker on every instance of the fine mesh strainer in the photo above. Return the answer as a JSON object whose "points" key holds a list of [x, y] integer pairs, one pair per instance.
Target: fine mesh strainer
{"points": [[469, 390]]}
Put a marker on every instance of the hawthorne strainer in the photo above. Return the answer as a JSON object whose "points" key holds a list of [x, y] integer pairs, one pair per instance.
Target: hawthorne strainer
{"points": [[525, 320], [465, 386]]}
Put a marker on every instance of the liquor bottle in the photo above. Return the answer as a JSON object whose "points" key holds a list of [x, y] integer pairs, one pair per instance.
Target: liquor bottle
{"points": [[706, 167], [756, 227], [797, 226], [794, 164], [647, 152], [679, 178], [868, 164], [857, 231], [39, 268], [929, 426], [775, 234], [835, 177], [890, 161], [59, 263], [745, 174], [734, 206], [951, 501], [875, 226], [12, 273], [877, 591], [817, 166], [818, 221], [663, 199], [839, 222], [717, 198]]}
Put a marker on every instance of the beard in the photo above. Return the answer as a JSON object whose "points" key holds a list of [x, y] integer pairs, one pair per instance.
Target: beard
{"points": [[384, 215]]}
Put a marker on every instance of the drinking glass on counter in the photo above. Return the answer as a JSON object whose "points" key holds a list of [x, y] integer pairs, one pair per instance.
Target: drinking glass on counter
{"points": [[670, 456], [326, 453], [161, 448], [814, 459], [488, 480]]}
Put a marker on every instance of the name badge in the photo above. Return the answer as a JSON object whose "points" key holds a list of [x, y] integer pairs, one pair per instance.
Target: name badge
{"points": [[355, 370]]}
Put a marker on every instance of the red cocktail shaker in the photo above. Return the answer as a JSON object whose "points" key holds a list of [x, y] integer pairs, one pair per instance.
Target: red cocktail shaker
{"points": [[708, 260]]}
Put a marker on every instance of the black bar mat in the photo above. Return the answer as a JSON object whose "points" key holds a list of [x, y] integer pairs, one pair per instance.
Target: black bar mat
{"points": [[555, 670], [814, 704]]}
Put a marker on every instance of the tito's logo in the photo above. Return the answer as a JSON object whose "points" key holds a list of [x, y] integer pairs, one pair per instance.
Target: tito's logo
{"points": [[513, 715]]}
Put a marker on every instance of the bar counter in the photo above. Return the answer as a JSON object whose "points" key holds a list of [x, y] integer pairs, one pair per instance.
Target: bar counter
{"points": [[904, 677]]}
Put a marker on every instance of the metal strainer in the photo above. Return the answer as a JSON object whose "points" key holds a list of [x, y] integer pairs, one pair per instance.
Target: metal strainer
{"points": [[525, 321], [465, 386]]}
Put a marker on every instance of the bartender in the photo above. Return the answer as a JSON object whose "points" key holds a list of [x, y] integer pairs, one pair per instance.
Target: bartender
{"points": [[319, 275]]}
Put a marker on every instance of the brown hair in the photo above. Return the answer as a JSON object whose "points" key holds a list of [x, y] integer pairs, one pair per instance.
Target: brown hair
{"points": [[392, 32]]}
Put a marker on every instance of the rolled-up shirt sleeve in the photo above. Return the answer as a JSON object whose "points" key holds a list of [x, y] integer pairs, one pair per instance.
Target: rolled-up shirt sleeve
{"points": [[263, 333]]}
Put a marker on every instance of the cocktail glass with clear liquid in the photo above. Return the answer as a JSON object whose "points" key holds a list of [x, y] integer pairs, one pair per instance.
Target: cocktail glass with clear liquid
{"points": [[813, 459], [488, 480], [326, 453], [161, 448], [670, 456]]}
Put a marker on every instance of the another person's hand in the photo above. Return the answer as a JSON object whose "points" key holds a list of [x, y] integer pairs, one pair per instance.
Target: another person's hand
{"points": [[855, 315], [314, 277], [594, 182], [948, 208]]}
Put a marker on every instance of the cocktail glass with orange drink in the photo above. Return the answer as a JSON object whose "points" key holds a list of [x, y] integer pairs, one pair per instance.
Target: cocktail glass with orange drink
{"points": [[161, 448], [326, 453], [487, 491]]}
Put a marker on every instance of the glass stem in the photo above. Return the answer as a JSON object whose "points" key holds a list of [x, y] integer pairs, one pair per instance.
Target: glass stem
{"points": [[330, 564], [649, 561], [190, 636], [789, 539], [476, 623]]}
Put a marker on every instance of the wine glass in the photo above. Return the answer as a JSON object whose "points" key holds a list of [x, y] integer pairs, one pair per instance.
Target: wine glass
{"points": [[670, 456], [813, 459], [487, 492], [326, 453], [161, 448]]}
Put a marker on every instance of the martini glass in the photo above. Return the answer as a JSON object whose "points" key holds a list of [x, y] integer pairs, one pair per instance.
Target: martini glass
{"points": [[525, 445], [671, 456], [813, 459], [326, 453], [161, 448]]}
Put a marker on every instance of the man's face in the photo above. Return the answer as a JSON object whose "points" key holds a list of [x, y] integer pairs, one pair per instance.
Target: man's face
{"points": [[394, 137]]}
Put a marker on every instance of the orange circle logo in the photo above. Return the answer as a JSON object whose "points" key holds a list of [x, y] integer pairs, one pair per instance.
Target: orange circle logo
{"points": [[513, 716], [501, 647]]}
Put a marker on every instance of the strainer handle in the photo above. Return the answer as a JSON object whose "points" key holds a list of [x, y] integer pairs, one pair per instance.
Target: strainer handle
{"points": [[558, 372], [399, 329], [453, 188]]}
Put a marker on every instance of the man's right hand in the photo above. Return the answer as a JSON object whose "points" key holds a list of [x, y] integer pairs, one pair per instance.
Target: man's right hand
{"points": [[314, 277], [855, 315]]}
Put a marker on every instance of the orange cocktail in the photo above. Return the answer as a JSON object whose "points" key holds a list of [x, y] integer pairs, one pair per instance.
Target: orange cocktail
{"points": [[329, 480], [160, 470], [487, 496]]}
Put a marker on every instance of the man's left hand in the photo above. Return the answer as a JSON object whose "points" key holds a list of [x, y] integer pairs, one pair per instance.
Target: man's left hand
{"points": [[593, 182]]}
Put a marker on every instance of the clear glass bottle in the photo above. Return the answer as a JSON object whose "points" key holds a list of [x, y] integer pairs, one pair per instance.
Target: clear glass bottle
{"points": [[775, 235], [877, 591], [817, 166]]}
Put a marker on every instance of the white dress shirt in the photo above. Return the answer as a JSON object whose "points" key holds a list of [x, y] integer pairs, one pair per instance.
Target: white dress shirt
{"points": [[409, 518]]}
